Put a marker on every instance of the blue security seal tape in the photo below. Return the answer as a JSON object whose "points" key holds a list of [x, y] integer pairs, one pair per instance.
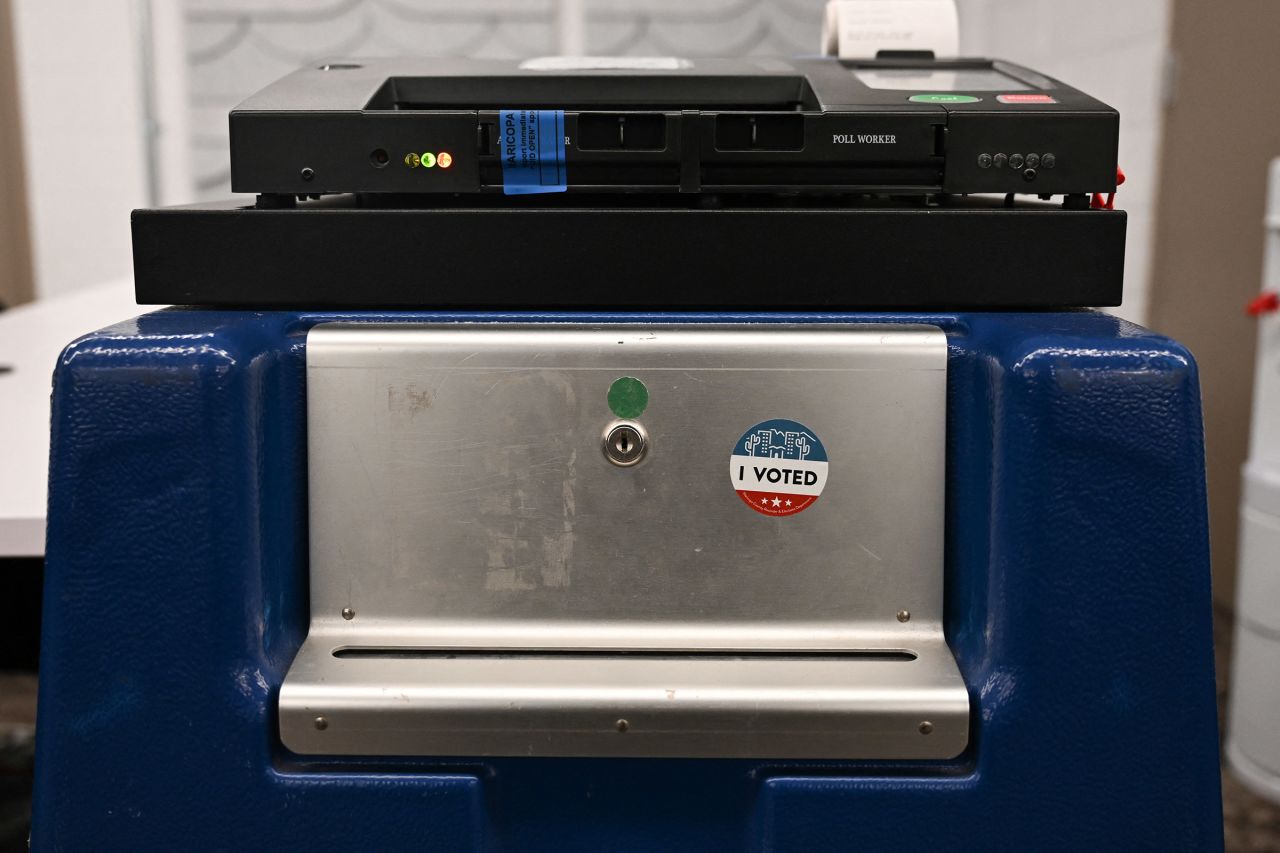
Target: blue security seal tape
{"points": [[532, 147]]}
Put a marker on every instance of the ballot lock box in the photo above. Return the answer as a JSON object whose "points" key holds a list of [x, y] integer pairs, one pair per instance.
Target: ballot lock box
{"points": [[570, 582], [712, 541]]}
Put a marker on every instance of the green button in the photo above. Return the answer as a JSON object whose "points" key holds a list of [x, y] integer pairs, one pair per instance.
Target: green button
{"points": [[943, 98]]}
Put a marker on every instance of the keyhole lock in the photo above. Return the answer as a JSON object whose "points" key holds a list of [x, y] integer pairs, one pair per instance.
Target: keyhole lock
{"points": [[625, 443]]}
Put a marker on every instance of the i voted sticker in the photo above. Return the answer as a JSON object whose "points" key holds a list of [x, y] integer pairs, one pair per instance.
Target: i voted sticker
{"points": [[779, 467]]}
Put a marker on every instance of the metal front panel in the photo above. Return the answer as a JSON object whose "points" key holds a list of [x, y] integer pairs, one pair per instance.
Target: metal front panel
{"points": [[458, 489], [461, 500], [655, 706]]}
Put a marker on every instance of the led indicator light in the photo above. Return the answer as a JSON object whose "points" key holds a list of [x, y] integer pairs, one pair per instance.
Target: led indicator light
{"points": [[411, 160], [444, 159], [428, 159]]}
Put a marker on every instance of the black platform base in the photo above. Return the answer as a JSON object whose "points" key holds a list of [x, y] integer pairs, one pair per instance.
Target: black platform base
{"points": [[637, 253]]}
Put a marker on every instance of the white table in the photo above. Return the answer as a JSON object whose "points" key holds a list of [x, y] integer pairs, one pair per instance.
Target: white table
{"points": [[31, 338]]}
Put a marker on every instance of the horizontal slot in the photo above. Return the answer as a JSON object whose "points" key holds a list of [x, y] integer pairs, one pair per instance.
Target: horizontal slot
{"points": [[668, 92], [592, 175], [770, 174], [394, 653]]}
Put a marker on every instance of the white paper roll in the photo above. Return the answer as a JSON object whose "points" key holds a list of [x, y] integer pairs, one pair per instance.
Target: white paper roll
{"points": [[859, 29]]}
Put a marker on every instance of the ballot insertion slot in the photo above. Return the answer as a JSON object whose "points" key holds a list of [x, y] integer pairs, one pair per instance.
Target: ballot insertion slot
{"points": [[588, 654], [622, 540]]}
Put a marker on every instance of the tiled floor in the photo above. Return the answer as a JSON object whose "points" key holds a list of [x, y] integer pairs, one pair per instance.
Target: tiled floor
{"points": [[1252, 824], [17, 749]]}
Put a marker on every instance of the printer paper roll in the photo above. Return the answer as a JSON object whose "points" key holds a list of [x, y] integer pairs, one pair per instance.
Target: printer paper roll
{"points": [[859, 29]]}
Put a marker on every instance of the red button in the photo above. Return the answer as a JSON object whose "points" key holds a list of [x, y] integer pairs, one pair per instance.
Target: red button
{"points": [[1025, 99]]}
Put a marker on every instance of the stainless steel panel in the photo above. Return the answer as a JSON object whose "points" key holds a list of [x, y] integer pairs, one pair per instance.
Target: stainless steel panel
{"points": [[625, 706], [460, 500]]}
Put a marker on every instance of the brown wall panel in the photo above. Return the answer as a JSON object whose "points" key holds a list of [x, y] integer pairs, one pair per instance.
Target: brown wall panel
{"points": [[15, 245], [1222, 128]]}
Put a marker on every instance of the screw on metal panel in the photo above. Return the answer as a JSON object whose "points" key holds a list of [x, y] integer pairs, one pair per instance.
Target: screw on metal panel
{"points": [[348, 613], [308, 173], [623, 725], [926, 727], [904, 615], [321, 724]]}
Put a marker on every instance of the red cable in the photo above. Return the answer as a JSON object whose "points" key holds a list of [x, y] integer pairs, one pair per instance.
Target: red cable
{"points": [[1263, 303]]}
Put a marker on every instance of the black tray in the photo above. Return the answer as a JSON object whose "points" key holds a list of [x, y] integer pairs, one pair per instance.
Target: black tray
{"points": [[630, 253]]}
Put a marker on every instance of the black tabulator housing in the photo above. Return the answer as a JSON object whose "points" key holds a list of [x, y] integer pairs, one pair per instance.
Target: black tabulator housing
{"points": [[631, 253], [891, 126]]}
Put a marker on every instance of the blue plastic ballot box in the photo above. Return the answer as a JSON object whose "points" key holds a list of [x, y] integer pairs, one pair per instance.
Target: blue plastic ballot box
{"points": [[574, 582]]}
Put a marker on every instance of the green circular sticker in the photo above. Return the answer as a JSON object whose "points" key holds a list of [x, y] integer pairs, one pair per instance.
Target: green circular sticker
{"points": [[628, 397]]}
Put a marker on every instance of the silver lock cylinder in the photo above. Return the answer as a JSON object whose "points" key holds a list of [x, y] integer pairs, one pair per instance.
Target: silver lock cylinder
{"points": [[625, 443]]}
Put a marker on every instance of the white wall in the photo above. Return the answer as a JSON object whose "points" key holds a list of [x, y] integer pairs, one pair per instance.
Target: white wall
{"points": [[81, 110], [81, 96], [1117, 51]]}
